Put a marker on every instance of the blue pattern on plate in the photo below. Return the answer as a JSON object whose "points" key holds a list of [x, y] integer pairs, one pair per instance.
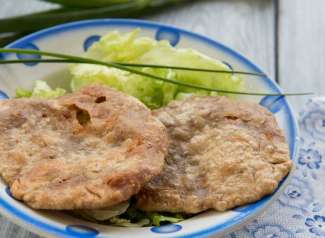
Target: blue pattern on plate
{"points": [[29, 46], [3, 95], [82, 231], [171, 228], [173, 34], [167, 33], [90, 41], [273, 103]]}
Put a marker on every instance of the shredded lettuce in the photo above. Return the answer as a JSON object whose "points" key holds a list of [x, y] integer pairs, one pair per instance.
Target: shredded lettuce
{"points": [[157, 219], [135, 217], [127, 215], [133, 49], [41, 90], [128, 223], [23, 93]]}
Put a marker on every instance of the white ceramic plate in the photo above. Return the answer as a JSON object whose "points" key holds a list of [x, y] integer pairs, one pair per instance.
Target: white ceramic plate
{"points": [[75, 38]]}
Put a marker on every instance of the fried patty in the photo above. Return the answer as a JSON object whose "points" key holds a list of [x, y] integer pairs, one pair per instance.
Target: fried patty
{"points": [[90, 149], [222, 154]]}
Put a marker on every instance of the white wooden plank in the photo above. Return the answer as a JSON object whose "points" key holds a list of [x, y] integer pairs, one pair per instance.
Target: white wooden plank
{"points": [[245, 25], [17, 7], [302, 47]]}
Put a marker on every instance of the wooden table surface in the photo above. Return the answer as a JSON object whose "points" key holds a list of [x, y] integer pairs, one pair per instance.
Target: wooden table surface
{"points": [[284, 37]]}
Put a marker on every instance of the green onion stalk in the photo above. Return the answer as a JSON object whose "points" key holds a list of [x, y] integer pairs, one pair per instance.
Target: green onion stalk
{"points": [[131, 68], [87, 4], [73, 10]]}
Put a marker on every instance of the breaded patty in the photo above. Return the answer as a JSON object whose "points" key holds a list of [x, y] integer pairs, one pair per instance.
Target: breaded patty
{"points": [[90, 149], [222, 154]]}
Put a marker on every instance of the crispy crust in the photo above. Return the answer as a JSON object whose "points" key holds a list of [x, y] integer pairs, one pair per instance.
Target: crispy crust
{"points": [[90, 149], [222, 154]]}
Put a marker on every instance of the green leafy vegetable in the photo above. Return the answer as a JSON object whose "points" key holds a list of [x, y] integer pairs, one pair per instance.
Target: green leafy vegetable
{"points": [[135, 217], [129, 216], [134, 214], [83, 3], [157, 219], [40, 90], [23, 93], [128, 223], [130, 48]]}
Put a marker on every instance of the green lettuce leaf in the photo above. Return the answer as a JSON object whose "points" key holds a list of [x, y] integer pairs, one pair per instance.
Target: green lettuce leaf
{"points": [[41, 90], [133, 49], [128, 223], [23, 93], [127, 215], [157, 219], [135, 217]]}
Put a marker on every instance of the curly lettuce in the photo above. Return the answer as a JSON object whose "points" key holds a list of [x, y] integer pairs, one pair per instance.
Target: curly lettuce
{"points": [[41, 90], [129, 216], [128, 223], [158, 219], [144, 50]]}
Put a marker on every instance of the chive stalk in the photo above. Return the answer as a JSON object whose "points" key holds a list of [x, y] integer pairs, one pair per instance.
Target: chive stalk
{"points": [[77, 59], [36, 21]]}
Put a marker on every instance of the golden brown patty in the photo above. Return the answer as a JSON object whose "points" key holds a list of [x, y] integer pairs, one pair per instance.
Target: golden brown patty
{"points": [[222, 154], [90, 149]]}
